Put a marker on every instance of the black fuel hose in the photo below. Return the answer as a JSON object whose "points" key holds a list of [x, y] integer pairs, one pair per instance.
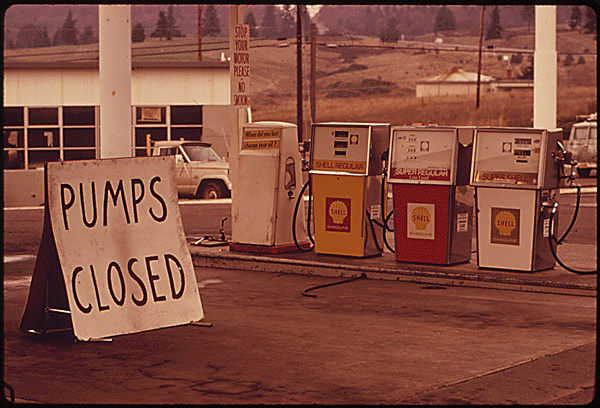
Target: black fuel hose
{"points": [[305, 291], [568, 230], [373, 232], [553, 250], [298, 201]]}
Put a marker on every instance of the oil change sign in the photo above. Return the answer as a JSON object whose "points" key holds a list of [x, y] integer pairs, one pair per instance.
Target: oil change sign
{"points": [[119, 237], [422, 154], [261, 139]]}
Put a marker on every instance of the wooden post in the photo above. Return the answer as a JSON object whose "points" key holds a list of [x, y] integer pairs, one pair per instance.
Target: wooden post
{"points": [[299, 72], [313, 72], [199, 32], [479, 62]]}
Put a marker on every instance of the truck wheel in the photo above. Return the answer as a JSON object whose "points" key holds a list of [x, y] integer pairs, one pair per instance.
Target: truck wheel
{"points": [[583, 172], [211, 190]]}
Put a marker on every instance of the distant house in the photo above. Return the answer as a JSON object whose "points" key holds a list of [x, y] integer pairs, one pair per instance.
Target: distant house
{"points": [[454, 82]]}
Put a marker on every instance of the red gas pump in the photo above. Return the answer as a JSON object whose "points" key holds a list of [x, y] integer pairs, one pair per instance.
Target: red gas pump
{"points": [[429, 169]]}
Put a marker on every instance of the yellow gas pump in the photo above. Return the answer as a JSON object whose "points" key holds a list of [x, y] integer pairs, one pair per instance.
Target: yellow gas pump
{"points": [[346, 171], [269, 182], [516, 179], [429, 170]]}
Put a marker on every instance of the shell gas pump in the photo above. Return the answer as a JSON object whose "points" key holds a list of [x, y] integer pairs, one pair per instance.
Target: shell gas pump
{"points": [[346, 170], [429, 170], [516, 173], [269, 182]]}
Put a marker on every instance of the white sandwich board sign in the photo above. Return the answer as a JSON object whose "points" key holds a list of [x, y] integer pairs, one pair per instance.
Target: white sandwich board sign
{"points": [[113, 232]]}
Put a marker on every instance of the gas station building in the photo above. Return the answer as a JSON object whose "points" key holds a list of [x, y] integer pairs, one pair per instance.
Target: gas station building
{"points": [[51, 112]]}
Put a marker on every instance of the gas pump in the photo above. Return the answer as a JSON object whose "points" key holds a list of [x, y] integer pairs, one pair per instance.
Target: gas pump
{"points": [[270, 170], [429, 170], [516, 177], [347, 177]]}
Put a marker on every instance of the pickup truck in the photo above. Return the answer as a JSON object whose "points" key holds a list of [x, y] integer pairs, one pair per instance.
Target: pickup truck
{"points": [[201, 173]]}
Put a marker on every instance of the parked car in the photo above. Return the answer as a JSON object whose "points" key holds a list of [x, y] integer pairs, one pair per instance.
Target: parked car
{"points": [[200, 171], [583, 143]]}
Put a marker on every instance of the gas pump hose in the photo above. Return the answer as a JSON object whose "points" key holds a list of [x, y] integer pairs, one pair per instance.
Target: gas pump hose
{"points": [[384, 226], [298, 201], [552, 240]]}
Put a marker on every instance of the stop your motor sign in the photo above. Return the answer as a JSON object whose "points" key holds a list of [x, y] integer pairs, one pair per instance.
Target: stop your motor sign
{"points": [[120, 242]]}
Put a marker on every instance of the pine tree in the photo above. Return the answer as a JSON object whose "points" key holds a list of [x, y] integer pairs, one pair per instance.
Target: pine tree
{"points": [[250, 20], [390, 34], [528, 15], [494, 30], [575, 18], [306, 21], [172, 29], [210, 21], [161, 26], [69, 31], [87, 37], [590, 22], [268, 25], [137, 33], [444, 20], [288, 24]]}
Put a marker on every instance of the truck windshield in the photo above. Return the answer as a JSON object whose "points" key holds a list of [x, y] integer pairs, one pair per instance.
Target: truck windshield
{"points": [[201, 153]]}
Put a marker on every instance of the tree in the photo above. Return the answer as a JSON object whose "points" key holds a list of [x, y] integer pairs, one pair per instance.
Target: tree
{"points": [[210, 21], [268, 25], [390, 34], [161, 26], [87, 37], [172, 29], [250, 20], [575, 18], [288, 23], [444, 20], [306, 21], [590, 21], [528, 15], [568, 60], [137, 33], [494, 30], [69, 31]]}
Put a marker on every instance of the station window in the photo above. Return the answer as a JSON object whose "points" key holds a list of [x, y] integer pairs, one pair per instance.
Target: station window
{"points": [[79, 115], [150, 115], [43, 116], [186, 115], [186, 134]]}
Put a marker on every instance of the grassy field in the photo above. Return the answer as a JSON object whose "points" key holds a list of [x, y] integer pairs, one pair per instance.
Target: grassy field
{"points": [[371, 84]]}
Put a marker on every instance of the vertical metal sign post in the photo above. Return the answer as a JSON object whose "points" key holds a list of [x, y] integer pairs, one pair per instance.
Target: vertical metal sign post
{"points": [[544, 68], [116, 139], [239, 74]]}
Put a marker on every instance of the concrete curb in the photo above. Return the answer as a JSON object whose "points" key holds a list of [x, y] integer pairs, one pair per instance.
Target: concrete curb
{"points": [[404, 273]]}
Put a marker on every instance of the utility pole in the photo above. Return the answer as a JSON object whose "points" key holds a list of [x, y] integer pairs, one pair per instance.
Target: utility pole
{"points": [[199, 32], [313, 72], [299, 117], [479, 62]]}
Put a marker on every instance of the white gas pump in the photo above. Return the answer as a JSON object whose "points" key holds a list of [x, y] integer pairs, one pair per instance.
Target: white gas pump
{"points": [[516, 178], [429, 170], [269, 183]]}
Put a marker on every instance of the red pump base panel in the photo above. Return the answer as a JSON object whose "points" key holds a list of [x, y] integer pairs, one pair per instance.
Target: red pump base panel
{"points": [[432, 223]]}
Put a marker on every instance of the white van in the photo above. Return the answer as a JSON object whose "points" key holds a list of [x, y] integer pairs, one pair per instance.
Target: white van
{"points": [[583, 143]]}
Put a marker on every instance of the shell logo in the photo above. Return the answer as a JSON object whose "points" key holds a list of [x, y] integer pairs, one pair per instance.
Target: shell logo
{"points": [[421, 217], [505, 222], [338, 212]]}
